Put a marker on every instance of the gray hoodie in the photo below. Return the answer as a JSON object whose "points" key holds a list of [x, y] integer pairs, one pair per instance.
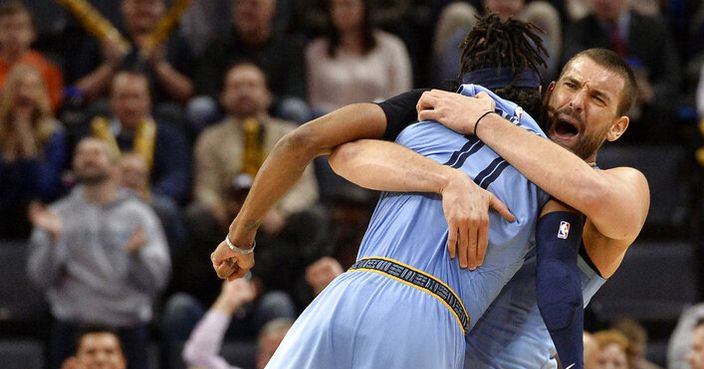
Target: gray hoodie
{"points": [[88, 275]]}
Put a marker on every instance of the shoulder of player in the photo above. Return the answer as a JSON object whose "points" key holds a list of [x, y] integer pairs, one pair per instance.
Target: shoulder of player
{"points": [[628, 176]]}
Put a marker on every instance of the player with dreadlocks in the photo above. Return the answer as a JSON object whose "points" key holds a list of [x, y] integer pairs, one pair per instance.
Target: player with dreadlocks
{"points": [[405, 303], [558, 287]]}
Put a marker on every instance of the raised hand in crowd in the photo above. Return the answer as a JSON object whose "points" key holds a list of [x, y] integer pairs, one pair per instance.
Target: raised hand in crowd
{"points": [[322, 272], [42, 217]]}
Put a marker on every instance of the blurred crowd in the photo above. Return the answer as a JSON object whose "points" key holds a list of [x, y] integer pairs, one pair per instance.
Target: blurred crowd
{"points": [[123, 159]]}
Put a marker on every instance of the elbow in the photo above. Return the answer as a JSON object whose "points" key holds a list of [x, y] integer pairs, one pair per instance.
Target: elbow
{"points": [[191, 355], [300, 142], [343, 155]]}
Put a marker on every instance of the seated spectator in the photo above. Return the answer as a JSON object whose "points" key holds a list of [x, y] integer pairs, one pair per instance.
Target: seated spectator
{"points": [[32, 149], [97, 347], [204, 343], [17, 34], [614, 349], [354, 62], [638, 341], [101, 257], [240, 143], [458, 18], [134, 176], [168, 66], [541, 14], [132, 128], [253, 38]]}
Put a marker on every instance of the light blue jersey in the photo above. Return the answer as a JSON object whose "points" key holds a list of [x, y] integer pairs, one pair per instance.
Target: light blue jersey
{"points": [[365, 319], [512, 334]]}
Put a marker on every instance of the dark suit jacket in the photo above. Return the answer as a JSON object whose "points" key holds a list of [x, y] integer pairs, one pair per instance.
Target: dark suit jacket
{"points": [[648, 41]]}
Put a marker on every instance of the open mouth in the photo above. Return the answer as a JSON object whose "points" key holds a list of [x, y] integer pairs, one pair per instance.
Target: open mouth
{"points": [[565, 127]]}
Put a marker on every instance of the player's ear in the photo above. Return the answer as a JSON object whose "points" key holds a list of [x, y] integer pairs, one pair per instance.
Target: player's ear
{"points": [[617, 128], [548, 92]]}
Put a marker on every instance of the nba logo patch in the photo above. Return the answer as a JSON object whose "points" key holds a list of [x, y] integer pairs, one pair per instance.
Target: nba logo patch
{"points": [[564, 230]]}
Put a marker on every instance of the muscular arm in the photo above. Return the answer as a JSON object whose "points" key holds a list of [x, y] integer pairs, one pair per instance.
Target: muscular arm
{"points": [[616, 201], [286, 163], [282, 169]]}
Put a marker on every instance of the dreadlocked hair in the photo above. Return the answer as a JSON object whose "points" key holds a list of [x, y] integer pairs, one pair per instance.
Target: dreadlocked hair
{"points": [[511, 44]]}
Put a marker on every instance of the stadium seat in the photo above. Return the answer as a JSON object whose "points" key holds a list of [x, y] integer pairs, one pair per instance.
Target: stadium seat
{"points": [[21, 354], [667, 169], [654, 283], [20, 301]]}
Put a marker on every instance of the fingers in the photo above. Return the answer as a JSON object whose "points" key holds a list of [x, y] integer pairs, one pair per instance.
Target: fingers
{"points": [[221, 253], [482, 95], [428, 114], [501, 208], [226, 269], [427, 101], [463, 247], [452, 242], [238, 273], [472, 262], [482, 241]]}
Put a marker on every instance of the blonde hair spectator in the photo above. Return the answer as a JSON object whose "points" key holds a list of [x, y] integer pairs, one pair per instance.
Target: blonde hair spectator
{"points": [[614, 349], [23, 86]]}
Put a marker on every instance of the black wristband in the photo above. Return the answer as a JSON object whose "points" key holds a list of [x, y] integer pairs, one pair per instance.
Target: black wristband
{"points": [[476, 124]]}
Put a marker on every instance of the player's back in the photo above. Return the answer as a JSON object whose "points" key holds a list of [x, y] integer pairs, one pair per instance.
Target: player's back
{"points": [[411, 228]]}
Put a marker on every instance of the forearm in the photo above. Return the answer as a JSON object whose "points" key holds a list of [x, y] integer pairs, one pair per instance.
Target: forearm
{"points": [[97, 81], [303, 195], [178, 86], [205, 341], [613, 205], [386, 166]]}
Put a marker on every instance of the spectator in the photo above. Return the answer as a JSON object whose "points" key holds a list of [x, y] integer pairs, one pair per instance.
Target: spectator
{"points": [[543, 15], [134, 176], [680, 344], [459, 17], [240, 143], [614, 349], [646, 43], [168, 66], [354, 62], [696, 354], [591, 351], [32, 145], [253, 38], [132, 128], [638, 341], [100, 255], [202, 347], [17, 34], [97, 347]]}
